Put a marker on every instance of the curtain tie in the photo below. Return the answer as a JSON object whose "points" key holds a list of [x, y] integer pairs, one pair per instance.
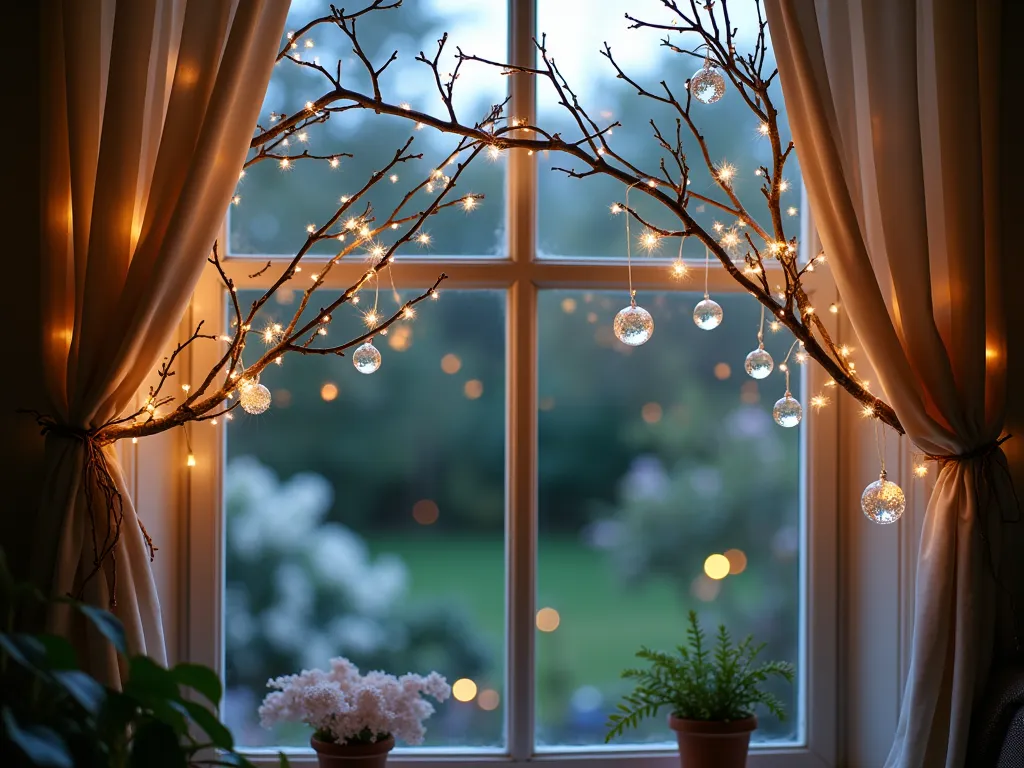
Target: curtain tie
{"points": [[96, 476], [991, 457]]}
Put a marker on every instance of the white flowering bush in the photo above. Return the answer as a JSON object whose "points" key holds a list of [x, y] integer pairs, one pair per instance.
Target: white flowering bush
{"points": [[302, 588], [345, 707]]}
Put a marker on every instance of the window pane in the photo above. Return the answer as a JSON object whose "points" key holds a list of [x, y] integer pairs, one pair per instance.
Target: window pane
{"points": [[651, 459], [575, 36], [365, 518], [275, 205]]}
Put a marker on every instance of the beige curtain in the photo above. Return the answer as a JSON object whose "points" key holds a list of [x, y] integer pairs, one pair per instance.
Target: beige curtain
{"points": [[894, 108], [148, 107]]}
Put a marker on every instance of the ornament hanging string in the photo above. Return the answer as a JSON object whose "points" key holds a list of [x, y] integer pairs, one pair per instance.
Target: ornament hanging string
{"points": [[880, 446], [785, 363], [629, 251], [760, 328], [707, 270]]}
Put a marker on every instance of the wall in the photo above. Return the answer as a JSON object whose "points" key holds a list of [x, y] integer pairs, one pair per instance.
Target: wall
{"points": [[21, 382]]}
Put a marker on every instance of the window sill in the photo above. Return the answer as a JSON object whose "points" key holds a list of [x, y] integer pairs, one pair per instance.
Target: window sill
{"points": [[610, 757]]}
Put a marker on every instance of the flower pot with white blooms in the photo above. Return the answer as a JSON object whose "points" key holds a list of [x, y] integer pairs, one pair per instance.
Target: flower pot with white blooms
{"points": [[355, 718], [711, 695]]}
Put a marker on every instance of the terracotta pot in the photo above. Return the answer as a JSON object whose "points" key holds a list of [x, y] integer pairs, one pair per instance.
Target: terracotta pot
{"points": [[711, 743], [333, 755]]}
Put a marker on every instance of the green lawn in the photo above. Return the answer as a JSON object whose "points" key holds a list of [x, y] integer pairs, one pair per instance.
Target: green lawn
{"points": [[602, 623]]}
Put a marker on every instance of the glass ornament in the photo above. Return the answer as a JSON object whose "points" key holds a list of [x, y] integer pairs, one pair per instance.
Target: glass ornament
{"points": [[243, 381], [366, 358], [254, 399], [883, 502], [787, 411], [707, 84], [633, 325], [707, 314], [759, 363]]}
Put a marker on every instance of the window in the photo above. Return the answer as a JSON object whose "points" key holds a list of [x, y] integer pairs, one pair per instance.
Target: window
{"points": [[515, 498]]}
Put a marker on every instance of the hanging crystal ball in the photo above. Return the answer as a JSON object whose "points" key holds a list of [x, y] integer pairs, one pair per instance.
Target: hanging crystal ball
{"points": [[366, 358], [707, 314], [633, 325], [255, 399], [787, 411], [883, 502], [707, 84], [759, 363], [244, 381]]}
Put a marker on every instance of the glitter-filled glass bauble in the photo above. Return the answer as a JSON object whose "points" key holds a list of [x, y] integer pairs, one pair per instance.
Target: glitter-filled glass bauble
{"points": [[366, 358], [883, 502], [759, 363], [633, 325], [787, 411], [707, 84], [255, 399], [707, 314], [244, 381]]}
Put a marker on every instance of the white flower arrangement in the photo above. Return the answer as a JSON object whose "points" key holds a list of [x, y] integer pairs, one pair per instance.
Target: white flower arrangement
{"points": [[346, 707]]}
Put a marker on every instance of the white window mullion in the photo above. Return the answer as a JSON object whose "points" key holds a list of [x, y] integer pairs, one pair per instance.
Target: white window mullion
{"points": [[521, 440]]}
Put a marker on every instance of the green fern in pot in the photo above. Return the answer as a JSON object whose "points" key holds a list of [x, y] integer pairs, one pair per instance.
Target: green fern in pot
{"points": [[711, 694]]}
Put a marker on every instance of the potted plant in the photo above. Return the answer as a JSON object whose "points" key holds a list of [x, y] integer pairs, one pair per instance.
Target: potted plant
{"points": [[711, 696], [355, 718], [54, 715]]}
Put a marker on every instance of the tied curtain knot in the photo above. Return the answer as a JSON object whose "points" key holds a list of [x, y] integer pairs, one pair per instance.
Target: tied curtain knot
{"points": [[102, 500]]}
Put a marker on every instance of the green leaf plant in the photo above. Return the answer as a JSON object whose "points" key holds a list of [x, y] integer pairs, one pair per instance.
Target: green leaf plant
{"points": [[699, 682], [54, 715]]}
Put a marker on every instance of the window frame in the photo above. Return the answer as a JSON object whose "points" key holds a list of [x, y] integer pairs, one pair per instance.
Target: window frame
{"points": [[522, 275]]}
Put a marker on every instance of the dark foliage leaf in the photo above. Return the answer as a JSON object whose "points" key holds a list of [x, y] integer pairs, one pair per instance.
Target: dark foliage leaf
{"points": [[42, 745], [82, 688], [207, 720], [107, 623], [148, 680], [60, 654], [156, 745], [25, 650], [199, 678]]}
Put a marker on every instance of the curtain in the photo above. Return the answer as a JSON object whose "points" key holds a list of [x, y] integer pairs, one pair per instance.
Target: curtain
{"points": [[894, 109], [148, 108]]}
